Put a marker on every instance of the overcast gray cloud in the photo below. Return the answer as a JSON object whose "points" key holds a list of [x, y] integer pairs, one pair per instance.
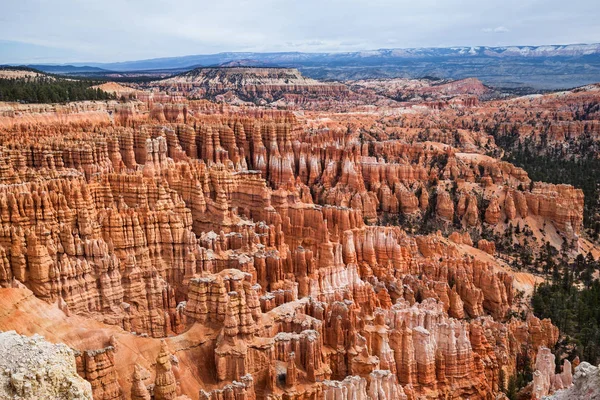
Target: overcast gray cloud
{"points": [[118, 30]]}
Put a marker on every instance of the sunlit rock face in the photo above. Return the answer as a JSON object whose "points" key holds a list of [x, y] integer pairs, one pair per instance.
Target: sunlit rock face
{"points": [[279, 255]]}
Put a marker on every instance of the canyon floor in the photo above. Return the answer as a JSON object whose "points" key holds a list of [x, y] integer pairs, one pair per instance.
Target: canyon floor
{"points": [[249, 233]]}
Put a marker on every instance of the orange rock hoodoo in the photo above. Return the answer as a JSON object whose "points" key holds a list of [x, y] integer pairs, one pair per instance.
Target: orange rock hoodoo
{"points": [[260, 229]]}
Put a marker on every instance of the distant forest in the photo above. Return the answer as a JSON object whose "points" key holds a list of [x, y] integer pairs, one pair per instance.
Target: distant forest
{"points": [[579, 167], [50, 90], [582, 172]]}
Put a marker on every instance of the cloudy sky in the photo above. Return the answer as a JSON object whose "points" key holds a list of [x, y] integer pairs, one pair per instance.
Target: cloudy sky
{"points": [[57, 31]]}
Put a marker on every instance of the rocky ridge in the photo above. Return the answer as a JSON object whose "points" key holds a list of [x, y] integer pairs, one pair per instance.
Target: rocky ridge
{"points": [[248, 84]]}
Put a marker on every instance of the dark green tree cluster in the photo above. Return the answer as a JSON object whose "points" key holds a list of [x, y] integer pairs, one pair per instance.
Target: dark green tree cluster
{"points": [[523, 375], [50, 90], [555, 167], [571, 301], [573, 162]]}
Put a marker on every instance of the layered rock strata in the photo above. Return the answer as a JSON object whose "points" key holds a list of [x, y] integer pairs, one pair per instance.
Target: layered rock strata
{"points": [[274, 252]]}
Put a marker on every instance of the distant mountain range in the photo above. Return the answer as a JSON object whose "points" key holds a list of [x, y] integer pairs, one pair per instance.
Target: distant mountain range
{"points": [[66, 69], [297, 58], [553, 66]]}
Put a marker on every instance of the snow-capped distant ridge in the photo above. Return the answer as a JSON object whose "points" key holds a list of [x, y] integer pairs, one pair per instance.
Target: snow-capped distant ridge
{"points": [[549, 50], [569, 50], [299, 59]]}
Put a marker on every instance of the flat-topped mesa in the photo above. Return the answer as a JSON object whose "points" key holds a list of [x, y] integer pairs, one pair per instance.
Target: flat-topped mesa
{"points": [[247, 83]]}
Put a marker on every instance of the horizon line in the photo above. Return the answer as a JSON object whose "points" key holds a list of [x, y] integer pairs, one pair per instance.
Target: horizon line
{"points": [[89, 63]]}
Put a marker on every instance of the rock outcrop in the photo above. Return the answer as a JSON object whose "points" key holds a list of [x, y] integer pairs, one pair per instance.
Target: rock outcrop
{"points": [[545, 381], [33, 368], [98, 368], [586, 384], [253, 84], [165, 386]]}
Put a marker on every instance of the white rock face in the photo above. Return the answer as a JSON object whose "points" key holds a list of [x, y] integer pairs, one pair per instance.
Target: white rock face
{"points": [[545, 381], [32, 368], [586, 385]]}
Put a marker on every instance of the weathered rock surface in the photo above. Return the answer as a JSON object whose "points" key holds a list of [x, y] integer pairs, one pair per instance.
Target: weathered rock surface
{"points": [[98, 368], [33, 368], [586, 384], [545, 381], [252, 84]]}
